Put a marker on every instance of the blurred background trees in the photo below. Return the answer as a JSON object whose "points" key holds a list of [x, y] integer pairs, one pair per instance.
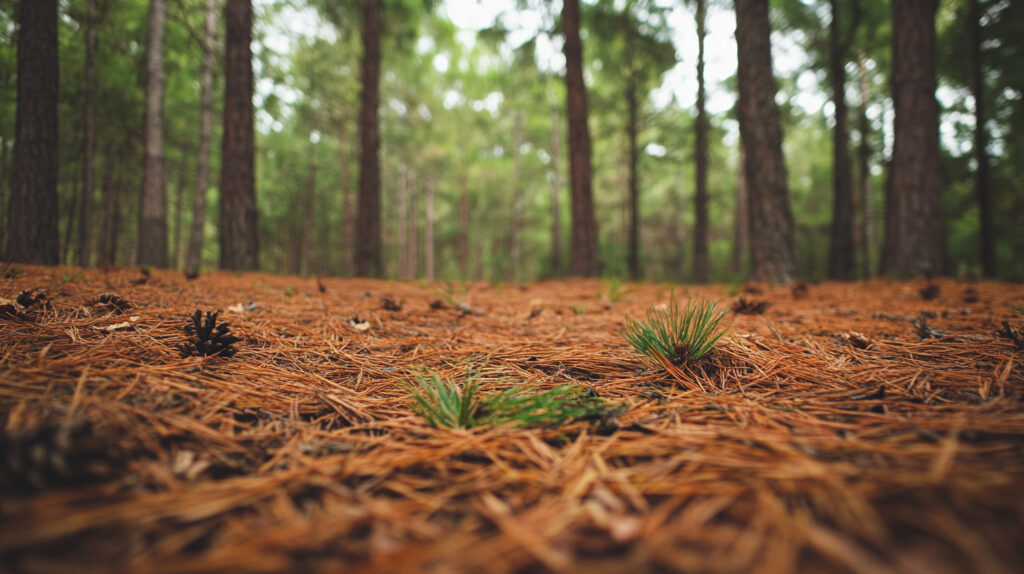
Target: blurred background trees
{"points": [[473, 142]]}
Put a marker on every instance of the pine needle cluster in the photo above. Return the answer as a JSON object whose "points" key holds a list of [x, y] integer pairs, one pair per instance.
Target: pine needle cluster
{"points": [[451, 404], [677, 336]]}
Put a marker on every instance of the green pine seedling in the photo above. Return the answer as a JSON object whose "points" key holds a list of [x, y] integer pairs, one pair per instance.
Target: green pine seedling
{"points": [[674, 336], [453, 405]]}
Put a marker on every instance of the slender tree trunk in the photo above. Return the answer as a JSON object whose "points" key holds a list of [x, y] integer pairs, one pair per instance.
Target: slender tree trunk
{"points": [[153, 204], [632, 134], [915, 246], [741, 218], [771, 218], [841, 262], [65, 245], [584, 227], [982, 174], [239, 234], [368, 256], [556, 192], [34, 206], [83, 251], [104, 216], [348, 214], [701, 263], [464, 220], [402, 221], [413, 231], [428, 233], [516, 249], [308, 219], [864, 160], [195, 245]]}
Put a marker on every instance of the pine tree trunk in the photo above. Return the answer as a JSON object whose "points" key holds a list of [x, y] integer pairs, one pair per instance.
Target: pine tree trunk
{"points": [[771, 219], [915, 246], [402, 221], [464, 220], [632, 134], [556, 193], [239, 234], [701, 263], [193, 258], [864, 168], [179, 201], [584, 227], [428, 233], [308, 220], [841, 262], [368, 255], [741, 218], [33, 235], [516, 248], [83, 251], [348, 215], [153, 204], [982, 174], [413, 230]]}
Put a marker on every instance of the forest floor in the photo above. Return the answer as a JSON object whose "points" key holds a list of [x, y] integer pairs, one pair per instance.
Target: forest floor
{"points": [[828, 434]]}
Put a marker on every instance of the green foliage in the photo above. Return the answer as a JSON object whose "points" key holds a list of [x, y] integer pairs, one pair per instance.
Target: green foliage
{"points": [[1018, 309], [450, 404], [675, 336]]}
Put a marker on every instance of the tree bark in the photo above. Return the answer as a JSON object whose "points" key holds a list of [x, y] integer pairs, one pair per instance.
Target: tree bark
{"points": [[83, 252], [915, 246], [348, 215], [864, 168], [368, 256], [516, 247], [413, 230], [239, 234], [308, 219], [771, 218], [464, 221], [584, 227], [556, 193], [701, 263], [34, 206], [632, 134], [982, 174], [402, 221], [153, 204], [741, 217], [841, 262], [193, 258], [428, 233]]}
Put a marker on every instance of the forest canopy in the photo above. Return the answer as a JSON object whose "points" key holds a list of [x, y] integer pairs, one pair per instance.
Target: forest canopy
{"points": [[477, 158]]}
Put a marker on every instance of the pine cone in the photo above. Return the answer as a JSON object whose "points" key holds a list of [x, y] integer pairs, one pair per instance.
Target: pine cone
{"points": [[112, 302], [30, 297], [57, 455], [750, 307], [206, 337]]}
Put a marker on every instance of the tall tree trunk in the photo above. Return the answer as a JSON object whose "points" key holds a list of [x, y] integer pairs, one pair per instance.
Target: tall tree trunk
{"points": [[982, 189], [402, 221], [701, 263], [308, 219], [348, 215], [741, 217], [771, 218], [239, 234], [464, 220], [915, 247], [368, 256], [556, 193], [153, 204], [516, 248], [841, 261], [65, 245], [83, 251], [34, 206], [193, 258], [413, 231], [428, 233], [105, 214], [864, 168], [584, 227], [632, 134]]}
